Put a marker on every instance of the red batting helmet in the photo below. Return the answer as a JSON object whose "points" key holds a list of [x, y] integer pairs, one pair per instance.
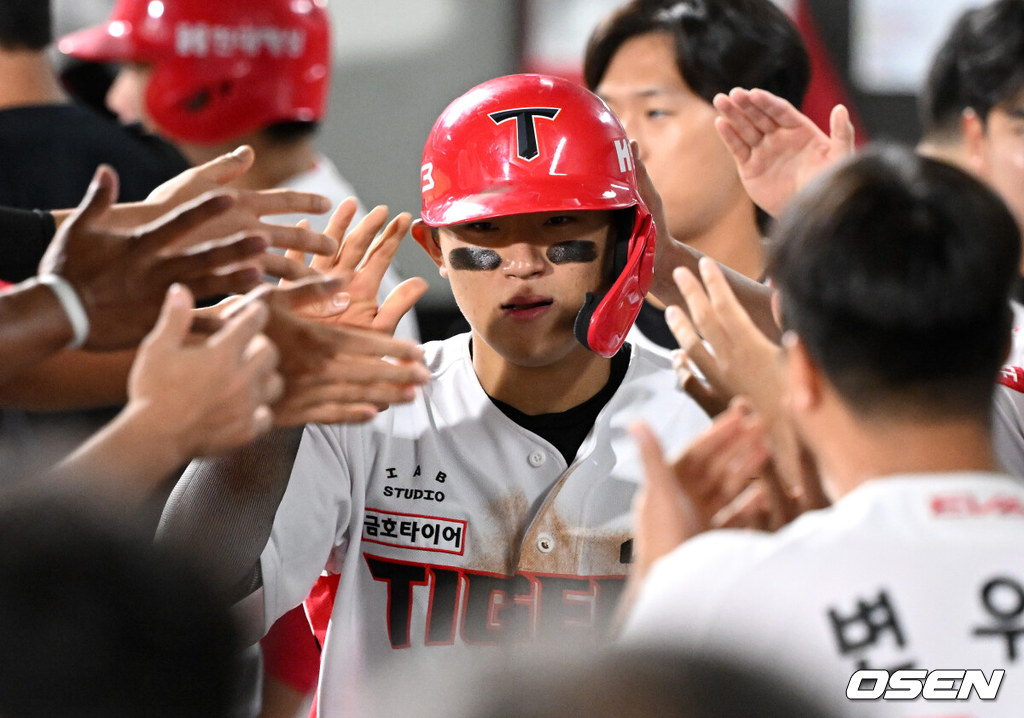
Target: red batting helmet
{"points": [[220, 68], [531, 143]]}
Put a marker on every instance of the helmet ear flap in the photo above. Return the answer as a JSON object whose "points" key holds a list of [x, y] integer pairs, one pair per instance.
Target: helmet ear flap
{"points": [[623, 224], [603, 322], [623, 221]]}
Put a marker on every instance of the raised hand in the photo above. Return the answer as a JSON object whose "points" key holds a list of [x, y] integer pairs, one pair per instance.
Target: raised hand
{"points": [[741, 359], [245, 214], [680, 498], [738, 360], [333, 373], [209, 396], [121, 276], [186, 399], [778, 149], [361, 262]]}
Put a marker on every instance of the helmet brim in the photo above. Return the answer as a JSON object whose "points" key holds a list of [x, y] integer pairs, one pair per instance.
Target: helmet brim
{"points": [[111, 41], [502, 200]]}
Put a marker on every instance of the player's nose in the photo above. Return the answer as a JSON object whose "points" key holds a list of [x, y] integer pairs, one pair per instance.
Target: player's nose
{"points": [[524, 260]]}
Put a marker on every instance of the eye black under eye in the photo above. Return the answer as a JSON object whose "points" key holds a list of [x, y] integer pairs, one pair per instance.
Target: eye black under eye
{"points": [[577, 250], [474, 259]]}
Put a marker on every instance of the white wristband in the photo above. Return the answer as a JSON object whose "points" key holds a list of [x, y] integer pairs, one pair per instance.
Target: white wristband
{"points": [[72, 305]]}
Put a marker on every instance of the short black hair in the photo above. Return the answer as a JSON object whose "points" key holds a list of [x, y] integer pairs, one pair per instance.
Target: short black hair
{"points": [[895, 271], [25, 24], [720, 44], [97, 621], [941, 101], [990, 56]]}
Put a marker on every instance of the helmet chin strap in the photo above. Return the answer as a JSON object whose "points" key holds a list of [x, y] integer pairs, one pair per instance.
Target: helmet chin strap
{"points": [[581, 327]]}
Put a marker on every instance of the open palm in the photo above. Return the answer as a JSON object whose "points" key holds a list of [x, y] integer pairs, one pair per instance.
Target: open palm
{"points": [[777, 148], [361, 262]]}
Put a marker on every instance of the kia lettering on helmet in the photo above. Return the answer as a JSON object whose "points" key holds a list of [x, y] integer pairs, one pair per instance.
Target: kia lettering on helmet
{"points": [[201, 40], [527, 147], [625, 154]]}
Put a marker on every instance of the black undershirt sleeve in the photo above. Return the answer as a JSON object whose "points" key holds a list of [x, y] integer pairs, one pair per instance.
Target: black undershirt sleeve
{"points": [[24, 236]]}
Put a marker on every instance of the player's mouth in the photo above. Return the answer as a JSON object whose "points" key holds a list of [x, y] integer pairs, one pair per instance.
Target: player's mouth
{"points": [[526, 308]]}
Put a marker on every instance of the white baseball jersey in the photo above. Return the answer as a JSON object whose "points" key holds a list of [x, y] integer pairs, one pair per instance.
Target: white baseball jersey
{"points": [[1008, 409], [452, 526], [324, 178], [917, 571]]}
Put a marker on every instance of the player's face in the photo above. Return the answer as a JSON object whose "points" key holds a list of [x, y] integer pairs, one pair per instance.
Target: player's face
{"points": [[520, 280], [125, 96], [690, 166]]}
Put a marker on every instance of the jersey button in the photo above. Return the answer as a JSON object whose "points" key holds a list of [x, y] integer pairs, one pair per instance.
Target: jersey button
{"points": [[537, 459], [545, 542]]}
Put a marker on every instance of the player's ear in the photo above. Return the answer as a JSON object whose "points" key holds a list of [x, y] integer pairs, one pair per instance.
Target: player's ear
{"points": [[426, 237], [973, 128], [804, 379]]}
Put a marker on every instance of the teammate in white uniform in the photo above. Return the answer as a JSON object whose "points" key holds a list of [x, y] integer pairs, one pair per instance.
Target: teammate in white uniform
{"points": [[971, 106], [496, 506], [893, 274]]}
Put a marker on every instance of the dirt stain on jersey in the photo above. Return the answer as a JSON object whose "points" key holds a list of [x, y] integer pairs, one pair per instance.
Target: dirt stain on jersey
{"points": [[507, 519], [555, 546]]}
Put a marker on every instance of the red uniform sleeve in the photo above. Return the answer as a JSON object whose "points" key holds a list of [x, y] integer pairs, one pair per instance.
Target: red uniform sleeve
{"points": [[290, 652]]}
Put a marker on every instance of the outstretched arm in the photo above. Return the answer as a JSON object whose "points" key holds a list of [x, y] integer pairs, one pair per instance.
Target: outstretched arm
{"points": [[222, 510], [671, 253], [33, 326], [185, 400]]}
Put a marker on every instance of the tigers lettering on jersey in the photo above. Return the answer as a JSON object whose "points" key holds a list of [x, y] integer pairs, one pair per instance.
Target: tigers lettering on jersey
{"points": [[492, 609]]}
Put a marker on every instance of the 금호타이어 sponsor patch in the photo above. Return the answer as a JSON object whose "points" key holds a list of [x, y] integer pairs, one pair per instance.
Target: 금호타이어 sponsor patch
{"points": [[424, 533]]}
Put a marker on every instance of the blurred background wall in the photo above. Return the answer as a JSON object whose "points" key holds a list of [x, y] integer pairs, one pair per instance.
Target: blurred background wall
{"points": [[398, 63]]}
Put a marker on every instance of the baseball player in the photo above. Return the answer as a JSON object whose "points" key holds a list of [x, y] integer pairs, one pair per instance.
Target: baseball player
{"points": [[893, 273], [972, 106], [496, 507]]}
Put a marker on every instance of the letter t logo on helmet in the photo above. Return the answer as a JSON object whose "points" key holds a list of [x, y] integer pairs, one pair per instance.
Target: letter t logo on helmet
{"points": [[565, 151]]}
